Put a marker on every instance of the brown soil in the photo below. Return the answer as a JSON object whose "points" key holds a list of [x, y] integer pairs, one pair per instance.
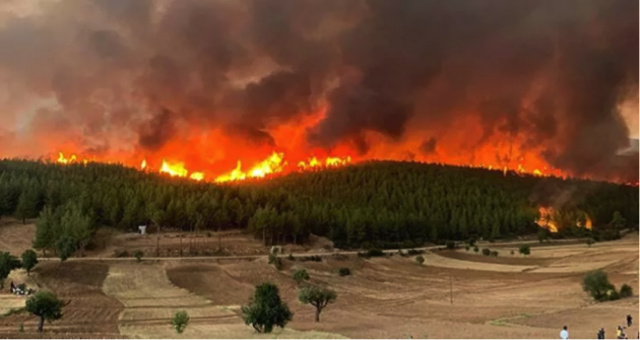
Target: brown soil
{"points": [[90, 310], [504, 257], [16, 237]]}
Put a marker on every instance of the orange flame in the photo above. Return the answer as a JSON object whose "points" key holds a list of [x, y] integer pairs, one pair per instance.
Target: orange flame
{"points": [[198, 176], [546, 219], [143, 165], [174, 170], [235, 175]]}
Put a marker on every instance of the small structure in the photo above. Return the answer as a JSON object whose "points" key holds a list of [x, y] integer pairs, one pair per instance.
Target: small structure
{"points": [[142, 230]]}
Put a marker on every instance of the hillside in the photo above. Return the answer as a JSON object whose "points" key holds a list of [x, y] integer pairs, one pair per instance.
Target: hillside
{"points": [[380, 204]]}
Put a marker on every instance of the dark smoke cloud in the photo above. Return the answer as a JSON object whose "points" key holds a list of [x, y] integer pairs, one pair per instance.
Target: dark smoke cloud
{"points": [[547, 73]]}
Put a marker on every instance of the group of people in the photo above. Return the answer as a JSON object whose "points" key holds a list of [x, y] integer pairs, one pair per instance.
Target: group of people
{"points": [[18, 290], [620, 332]]}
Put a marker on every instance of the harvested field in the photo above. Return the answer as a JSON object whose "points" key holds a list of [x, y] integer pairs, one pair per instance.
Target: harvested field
{"points": [[16, 237], [90, 310]]}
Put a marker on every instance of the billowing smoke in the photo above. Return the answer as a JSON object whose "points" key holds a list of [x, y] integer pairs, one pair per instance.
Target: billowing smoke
{"points": [[465, 75]]}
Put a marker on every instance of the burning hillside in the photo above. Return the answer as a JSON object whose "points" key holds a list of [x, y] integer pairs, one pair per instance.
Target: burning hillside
{"points": [[229, 90]]}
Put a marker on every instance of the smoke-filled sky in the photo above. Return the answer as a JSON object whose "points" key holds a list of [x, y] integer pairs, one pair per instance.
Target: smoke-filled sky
{"points": [[428, 77]]}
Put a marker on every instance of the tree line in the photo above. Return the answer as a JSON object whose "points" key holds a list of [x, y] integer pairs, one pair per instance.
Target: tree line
{"points": [[375, 204]]}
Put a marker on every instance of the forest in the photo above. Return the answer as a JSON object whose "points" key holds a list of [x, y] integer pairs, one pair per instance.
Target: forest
{"points": [[379, 204]]}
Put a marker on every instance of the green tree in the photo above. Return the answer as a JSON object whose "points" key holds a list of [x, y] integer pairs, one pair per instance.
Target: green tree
{"points": [[597, 284], [626, 291], [180, 321], [8, 263], [138, 255], [46, 230], [524, 250], [618, 222], [301, 275], [46, 306], [543, 234], [319, 297], [267, 310], [66, 246], [420, 259], [27, 206], [29, 260]]}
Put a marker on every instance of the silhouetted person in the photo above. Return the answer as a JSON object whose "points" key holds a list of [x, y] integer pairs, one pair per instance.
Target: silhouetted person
{"points": [[629, 320], [564, 333], [13, 287], [601, 334]]}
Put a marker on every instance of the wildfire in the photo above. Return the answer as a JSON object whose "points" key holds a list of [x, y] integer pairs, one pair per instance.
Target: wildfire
{"points": [[143, 165], [273, 164], [174, 170], [546, 220], [198, 176], [549, 220], [329, 162]]}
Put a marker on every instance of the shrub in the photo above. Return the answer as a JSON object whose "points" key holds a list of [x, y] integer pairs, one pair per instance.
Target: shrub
{"points": [[476, 249], [120, 253], [494, 253], [613, 295], [315, 258], [420, 259], [266, 310], [344, 271], [291, 258], [597, 284], [524, 250], [275, 261], [512, 252], [301, 275], [21, 328], [590, 241], [374, 252], [138, 255], [626, 291], [451, 245], [467, 248], [180, 321], [486, 251], [471, 242]]}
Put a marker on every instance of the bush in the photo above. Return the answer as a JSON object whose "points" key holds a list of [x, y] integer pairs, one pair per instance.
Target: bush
{"points": [[486, 251], [180, 321], [590, 241], [275, 261], [476, 249], [138, 255], [525, 250], [451, 245], [291, 258], [467, 248], [344, 272], [266, 310], [626, 291], [494, 253], [420, 259], [120, 253], [471, 242], [301, 275], [512, 252], [597, 284], [613, 295], [315, 258], [374, 252]]}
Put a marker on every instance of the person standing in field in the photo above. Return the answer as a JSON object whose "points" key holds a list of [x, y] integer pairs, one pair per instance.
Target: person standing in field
{"points": [[564, 333], [629, 320]]}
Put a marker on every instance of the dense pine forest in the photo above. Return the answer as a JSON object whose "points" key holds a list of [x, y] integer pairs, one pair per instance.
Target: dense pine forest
{"points": [[374, 204]]}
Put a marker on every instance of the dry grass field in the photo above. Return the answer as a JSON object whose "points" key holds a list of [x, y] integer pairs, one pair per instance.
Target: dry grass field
{"points": [[454, 294]]}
